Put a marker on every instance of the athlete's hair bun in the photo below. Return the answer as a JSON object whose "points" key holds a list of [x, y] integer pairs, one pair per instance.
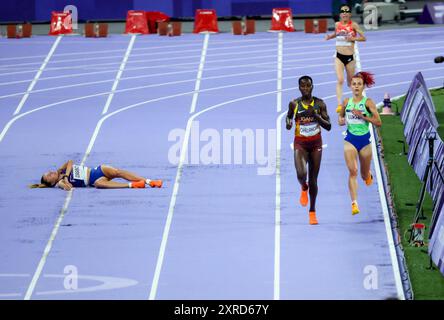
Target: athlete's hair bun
{"points": [[367, 77]]}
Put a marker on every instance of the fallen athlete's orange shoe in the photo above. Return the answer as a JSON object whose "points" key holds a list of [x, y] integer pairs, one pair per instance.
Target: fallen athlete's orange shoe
{"points": [[312, 218], [339, 108], [355, 208], [138, 184], [304, 198], [369, 180], [156, 183]]}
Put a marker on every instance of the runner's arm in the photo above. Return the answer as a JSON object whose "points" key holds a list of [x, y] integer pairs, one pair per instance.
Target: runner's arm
{"points": [[323, 118], [66, 168], [290, 115], [375, 119], [358, 31], [341, 114], [331, 36], [64, 185]]}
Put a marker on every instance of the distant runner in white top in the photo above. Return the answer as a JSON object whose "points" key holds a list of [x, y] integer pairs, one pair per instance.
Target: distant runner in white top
{"points": [[346, 32]]}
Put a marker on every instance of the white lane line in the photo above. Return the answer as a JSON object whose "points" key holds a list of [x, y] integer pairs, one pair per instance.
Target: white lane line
{"points": [[175, 190], [168, 65], [382, 196], [358, 58], [183, 152], [278, 206], [190, 56], [297, 41], [317, 53], [194, 43], [199, 73], [232, 53], [168, 54], [314, 56], [380, 45], [37, 76], [279, 72], [48, 247], [166, 231], [68, 198], [17, 117], [205, 78], [387, 223], [85, 97], [147, 76], [383, 201], [119, 74], [65, 206], [277, 211], [229, 66], [13, 120], [172, 205], [416, 63], [97, 52]]}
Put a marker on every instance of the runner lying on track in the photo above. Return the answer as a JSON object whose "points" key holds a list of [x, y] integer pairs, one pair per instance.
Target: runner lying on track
{"points": [[358, 113], [310, 114], [70, 175]]}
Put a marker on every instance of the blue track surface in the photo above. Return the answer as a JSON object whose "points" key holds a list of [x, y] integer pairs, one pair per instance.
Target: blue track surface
{"points": [[211, 232]]}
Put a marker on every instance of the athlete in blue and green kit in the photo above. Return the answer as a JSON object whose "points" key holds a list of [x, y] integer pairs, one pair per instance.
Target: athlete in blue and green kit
{"points": [[358, 113]]}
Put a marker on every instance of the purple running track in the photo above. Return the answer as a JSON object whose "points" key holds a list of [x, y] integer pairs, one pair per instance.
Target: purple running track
{"points": [[218, 240]]}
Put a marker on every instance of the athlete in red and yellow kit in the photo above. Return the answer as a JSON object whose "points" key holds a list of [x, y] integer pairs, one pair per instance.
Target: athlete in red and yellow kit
{"points": [[309, 114], [346, 33]]}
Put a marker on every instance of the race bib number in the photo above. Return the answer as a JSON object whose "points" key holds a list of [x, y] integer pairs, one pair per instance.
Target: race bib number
{"points": [[352, 119], [309, 130], [78, 172], [342, 42]]}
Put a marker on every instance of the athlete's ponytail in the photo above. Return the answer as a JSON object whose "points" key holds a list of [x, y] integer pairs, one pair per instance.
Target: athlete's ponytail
{"points": [[43, 184], [367, 77], [38, 185]]}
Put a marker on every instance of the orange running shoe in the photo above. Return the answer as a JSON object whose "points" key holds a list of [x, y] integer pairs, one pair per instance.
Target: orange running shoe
{"points": [[312, 218], [355, 208], [138, 184], [156, 183], [369, 180], [304, 198]]}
